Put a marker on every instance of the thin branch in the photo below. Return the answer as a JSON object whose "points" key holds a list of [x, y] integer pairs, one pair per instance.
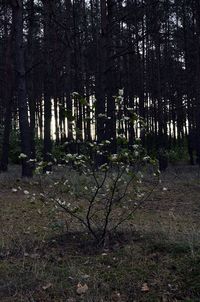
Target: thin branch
{"points": [[88, 218], [135, 209], [110, 204]]}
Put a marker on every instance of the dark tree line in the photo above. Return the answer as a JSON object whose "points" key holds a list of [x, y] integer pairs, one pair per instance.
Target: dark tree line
{"points": [[56, 56]]}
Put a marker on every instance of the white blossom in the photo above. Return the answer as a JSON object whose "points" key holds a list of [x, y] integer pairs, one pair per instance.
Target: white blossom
{"points": [[126, 118], [22, 156], [121, 92], [113, 157], [69, 155], [101, 115], [32, 160], [107, 142], [75, 94], [146, 158], [104, 166]]}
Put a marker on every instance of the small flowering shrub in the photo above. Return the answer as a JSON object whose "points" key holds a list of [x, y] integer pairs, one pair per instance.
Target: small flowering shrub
{"points": [[102, 190], [102, 197]]}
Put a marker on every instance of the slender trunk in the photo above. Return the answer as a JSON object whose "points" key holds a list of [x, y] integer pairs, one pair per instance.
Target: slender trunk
{"points": [[47, 85], [8, 101], [17, 11]]}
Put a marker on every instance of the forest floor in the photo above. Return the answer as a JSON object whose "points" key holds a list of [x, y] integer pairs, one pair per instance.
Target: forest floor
{"points": [[155, 257]]}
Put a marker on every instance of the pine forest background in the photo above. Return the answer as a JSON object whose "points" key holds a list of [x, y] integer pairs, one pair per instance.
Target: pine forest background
{"points": [[64, 65]]}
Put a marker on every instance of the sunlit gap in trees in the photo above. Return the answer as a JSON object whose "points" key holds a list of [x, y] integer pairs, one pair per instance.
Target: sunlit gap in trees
{"points": [[60, 125]]}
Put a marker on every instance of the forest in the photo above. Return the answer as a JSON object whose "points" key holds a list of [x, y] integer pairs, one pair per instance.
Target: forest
{"points": [[99, 150]]}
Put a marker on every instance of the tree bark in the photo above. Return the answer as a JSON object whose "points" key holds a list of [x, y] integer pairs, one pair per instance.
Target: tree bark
{"points": [[17, 14]]}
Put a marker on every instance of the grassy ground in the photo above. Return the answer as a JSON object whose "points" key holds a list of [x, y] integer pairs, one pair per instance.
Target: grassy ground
{"points": [[154, 257]]}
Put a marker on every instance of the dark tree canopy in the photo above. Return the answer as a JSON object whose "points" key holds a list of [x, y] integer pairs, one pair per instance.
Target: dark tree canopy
{"points": [[59, 59]]}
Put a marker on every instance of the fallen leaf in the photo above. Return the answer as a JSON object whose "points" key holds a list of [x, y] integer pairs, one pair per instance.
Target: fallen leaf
{"points": [[145, 288], [34, 256], [48, 285], [85, 276], [81, 289], [104, 254], [26, 254]]}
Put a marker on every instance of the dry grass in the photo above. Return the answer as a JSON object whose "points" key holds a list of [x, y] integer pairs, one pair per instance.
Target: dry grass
{"points": [[160, 247]]}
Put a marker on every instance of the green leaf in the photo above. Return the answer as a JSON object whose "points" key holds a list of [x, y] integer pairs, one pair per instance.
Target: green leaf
{"points": [[83, 101], [68, 115]]}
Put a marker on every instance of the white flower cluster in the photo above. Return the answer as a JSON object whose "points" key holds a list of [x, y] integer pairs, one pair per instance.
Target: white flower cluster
{"points": [[22, 156], [104, 167], [74, 94], [121, 92], [102, 115], [114, 157]]}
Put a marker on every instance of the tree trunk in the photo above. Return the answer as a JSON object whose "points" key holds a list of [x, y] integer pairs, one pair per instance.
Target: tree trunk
{"points": [[8, 100], [17, 14], [47, 86]]}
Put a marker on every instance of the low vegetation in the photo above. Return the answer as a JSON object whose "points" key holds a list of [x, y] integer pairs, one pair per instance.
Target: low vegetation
{"points": [[46, 256]]}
